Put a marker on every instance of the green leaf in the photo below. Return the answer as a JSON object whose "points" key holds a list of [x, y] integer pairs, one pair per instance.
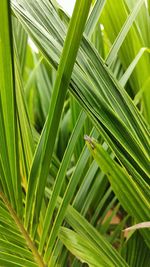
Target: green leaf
{"points": [[135, 251], [85, 230], [60, 177], [136, 38], [128, 72], [121, 36], [130, 195], [83, 249], [8, 121], [47, 140], [94, 17], [24, 233], [99, 90]]}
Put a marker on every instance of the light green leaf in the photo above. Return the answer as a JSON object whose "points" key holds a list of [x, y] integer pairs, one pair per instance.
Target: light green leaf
{"points": [[83, 249], [94, 17], [47, 140], [8, 122], [130, 195], [131, 67], [121, 36]]}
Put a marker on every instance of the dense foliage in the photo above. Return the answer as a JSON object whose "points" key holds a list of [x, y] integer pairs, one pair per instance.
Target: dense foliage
{"points": [[74, 134]]}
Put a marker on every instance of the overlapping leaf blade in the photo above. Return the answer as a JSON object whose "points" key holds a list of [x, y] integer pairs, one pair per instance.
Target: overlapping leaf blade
{"points": [[117, 120], [9, 148], [127, 191], [123, 106]]}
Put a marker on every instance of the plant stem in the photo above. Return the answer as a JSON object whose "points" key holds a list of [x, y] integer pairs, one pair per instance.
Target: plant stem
{"points": [[29, 242]]}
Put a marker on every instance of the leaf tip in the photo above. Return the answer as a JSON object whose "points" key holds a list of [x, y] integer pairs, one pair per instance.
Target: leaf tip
{"points": [[89, 140]]}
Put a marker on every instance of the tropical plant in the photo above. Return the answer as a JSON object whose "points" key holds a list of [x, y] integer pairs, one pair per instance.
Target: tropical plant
{"points": [[74, 131]]}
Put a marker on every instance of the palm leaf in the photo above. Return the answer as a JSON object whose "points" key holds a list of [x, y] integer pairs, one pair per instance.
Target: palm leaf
{"points": [[48, 178]]}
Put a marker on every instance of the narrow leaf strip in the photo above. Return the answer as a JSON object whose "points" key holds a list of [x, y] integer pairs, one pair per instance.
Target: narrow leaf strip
{"points": [[8, 108], [145, 87], [42, 161], [123, 33], [127, 191], [131, 67], [60, 177], [138, 226], [94, 17]]}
